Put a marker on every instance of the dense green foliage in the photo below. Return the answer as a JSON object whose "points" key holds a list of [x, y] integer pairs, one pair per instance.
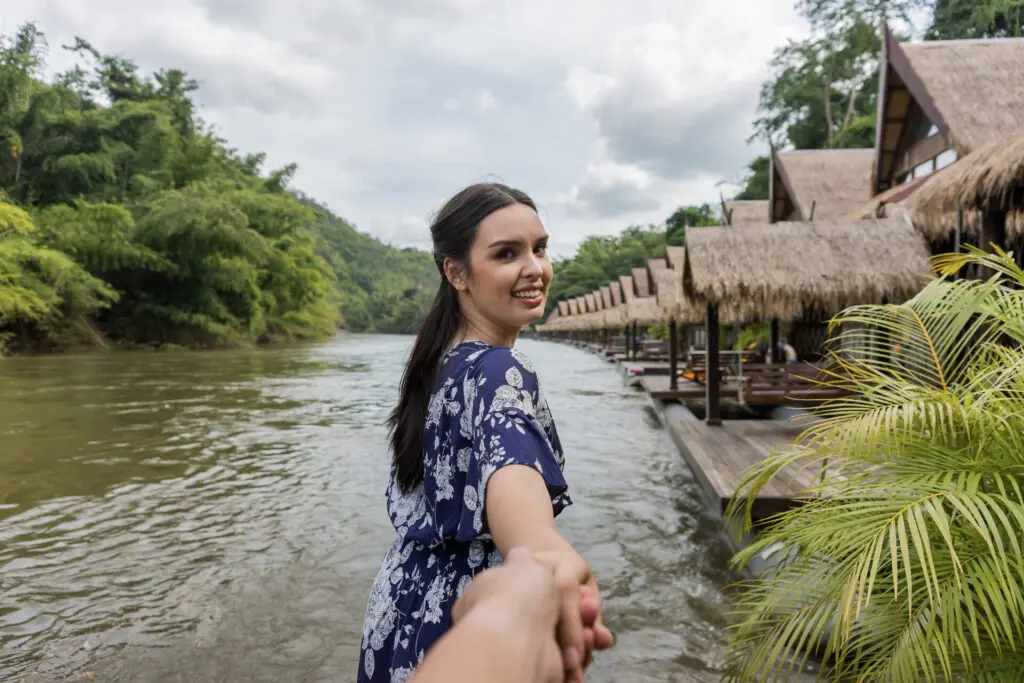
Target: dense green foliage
{"points": [[906, 560], [823, 89], [123, 217], [599, 260]]}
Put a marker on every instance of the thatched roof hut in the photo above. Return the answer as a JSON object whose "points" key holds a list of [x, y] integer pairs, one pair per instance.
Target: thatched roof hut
{"points": [[818, 184], [989, 178], [628, 291], [742, 211], [563, 307], [615, 312], [641, 282], [672, 299], [606, 297], [939, 101], [782, 270], [643, 308]]}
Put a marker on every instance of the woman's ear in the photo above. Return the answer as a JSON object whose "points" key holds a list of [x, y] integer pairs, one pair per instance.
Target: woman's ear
{"points": [[456, 274]]}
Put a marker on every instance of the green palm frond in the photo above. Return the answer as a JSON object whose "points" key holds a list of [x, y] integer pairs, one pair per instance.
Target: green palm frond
{"points": [[906, 562]]}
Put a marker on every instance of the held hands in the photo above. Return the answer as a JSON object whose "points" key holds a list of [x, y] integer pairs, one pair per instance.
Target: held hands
{"points": [[580, 629], [553, 597]]}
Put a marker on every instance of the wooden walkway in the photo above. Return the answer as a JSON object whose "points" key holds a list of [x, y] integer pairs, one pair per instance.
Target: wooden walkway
{"points": [[719, 456]]}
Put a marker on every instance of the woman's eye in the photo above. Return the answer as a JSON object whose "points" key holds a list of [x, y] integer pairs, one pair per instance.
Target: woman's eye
{"points": [[505, 253], [540, 249]]}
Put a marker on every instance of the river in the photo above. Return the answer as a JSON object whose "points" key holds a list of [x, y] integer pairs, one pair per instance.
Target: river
{"points": [[219, 516]]}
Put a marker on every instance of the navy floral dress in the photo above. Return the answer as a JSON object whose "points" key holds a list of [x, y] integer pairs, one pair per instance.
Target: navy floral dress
{"points": [[487, 412]]}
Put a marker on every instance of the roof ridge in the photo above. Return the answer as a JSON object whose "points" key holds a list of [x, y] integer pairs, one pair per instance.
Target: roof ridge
{"points": [[961, 41]]}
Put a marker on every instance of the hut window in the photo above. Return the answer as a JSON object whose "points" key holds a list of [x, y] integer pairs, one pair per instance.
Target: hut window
{"points": [[923, 169], [945, 158]]}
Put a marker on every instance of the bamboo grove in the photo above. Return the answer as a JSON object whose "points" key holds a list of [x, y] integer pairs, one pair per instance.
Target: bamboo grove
{"points": [[124, 219]]}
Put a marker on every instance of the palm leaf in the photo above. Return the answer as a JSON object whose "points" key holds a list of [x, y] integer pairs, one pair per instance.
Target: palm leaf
{"points": [[905, 560]]}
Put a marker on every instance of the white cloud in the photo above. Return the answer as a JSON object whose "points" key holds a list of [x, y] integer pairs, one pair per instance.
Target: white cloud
{"points": [[607, 112], [486, 100]]}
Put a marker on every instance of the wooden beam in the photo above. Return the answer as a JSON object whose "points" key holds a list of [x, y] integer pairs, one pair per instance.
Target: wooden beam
{"points": [[673, 355], [920, 152], [773, 341], [993, 231], [713, 377]]}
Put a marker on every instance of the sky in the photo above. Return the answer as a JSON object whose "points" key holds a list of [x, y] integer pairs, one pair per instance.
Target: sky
{"points": [[608, 113]]}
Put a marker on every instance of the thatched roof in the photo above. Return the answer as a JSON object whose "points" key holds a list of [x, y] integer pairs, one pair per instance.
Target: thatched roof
{"points": [[615, 316], [746, 211], [574, 306], [616, 288], [644, 310], [641, 282], [781, 270], [627, 288], [672, 301], [833, 181], [976, 86], [563, 307], [675, 256], [606, 297], [991, 177]]}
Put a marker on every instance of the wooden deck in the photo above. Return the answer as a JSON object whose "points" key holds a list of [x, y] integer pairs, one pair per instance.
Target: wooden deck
{"points": [[645, 368], [658, 387], [718, 457]]}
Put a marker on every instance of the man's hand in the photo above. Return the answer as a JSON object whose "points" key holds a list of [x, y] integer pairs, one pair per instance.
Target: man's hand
{"points": [[523, 597]]}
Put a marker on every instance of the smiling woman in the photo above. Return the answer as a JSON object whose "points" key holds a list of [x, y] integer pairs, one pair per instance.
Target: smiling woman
{"points": [[477, 463]]}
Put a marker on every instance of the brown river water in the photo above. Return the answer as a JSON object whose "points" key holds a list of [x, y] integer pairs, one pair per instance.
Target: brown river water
{"points": [[219, 516]]}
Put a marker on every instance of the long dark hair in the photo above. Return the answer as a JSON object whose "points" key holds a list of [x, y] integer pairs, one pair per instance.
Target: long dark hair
{"points": [[453, 231]]}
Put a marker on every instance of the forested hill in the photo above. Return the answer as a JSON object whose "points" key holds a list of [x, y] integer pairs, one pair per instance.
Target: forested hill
{"points": [[124, 219]]}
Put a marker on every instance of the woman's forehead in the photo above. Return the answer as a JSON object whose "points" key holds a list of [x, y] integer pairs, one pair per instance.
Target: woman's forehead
{"points": [[517, 222]]}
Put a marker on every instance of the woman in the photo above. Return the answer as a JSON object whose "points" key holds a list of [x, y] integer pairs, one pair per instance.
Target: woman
{"points": [[477, 464]]}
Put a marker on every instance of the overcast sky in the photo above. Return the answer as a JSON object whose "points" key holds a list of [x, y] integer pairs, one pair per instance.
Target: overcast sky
{"points": [[608, 112]]}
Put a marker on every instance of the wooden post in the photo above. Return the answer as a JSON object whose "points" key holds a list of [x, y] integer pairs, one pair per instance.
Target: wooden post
{"points": [[993, 231], [673, 355], [636, 332], [712, 377], [773, 341], [629, 343]]}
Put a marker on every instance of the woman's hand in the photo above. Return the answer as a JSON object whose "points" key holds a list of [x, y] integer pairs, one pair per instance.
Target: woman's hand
{"points": [[580, 629]]}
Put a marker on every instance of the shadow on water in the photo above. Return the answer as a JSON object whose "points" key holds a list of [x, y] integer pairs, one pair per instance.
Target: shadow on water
{"points": [[219, 515]]}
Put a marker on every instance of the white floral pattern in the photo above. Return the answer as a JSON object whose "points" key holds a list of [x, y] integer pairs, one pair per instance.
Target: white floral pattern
{"points": [[487, 412]]}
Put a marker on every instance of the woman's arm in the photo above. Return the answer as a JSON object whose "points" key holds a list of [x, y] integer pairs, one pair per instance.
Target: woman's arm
{"points": [[519, 514]]}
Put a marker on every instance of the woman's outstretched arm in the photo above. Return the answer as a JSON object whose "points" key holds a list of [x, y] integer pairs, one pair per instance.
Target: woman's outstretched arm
{"points": [[519, 514]]}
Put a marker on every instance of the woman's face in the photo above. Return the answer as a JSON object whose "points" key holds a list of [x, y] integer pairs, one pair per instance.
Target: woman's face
{"points": [[509, 270]]}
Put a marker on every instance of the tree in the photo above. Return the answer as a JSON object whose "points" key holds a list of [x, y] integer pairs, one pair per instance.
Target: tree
{"points": [[954, 19], [684, 216], [821, 86], [755, 185], [161, 231], [907, 560]]}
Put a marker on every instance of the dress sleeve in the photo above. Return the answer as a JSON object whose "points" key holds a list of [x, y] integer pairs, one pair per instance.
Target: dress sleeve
{"points": [[503, 405]]}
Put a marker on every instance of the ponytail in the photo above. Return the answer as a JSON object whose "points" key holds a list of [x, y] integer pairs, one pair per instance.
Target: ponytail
{"points": [[407, 421], [452, 232]]}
